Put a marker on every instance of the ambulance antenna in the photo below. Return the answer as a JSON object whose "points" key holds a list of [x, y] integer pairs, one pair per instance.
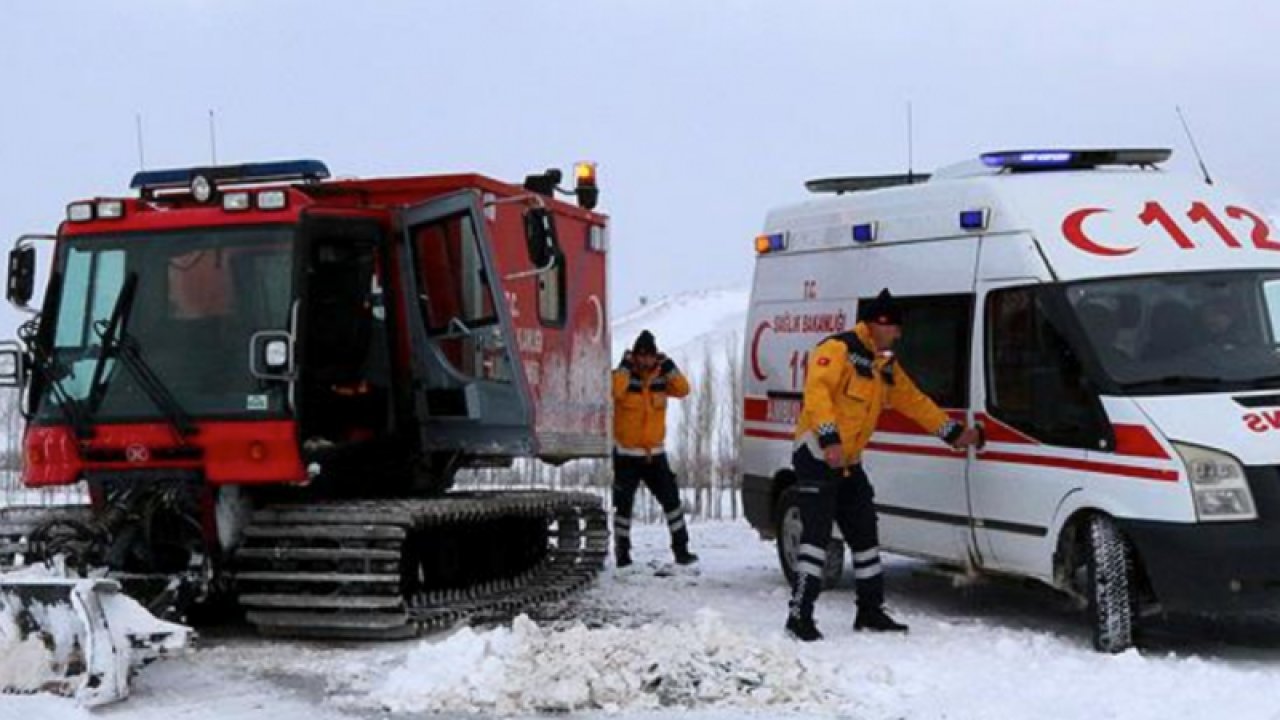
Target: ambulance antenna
{"points": [[910, 174], [142, 157], [1186, 128], [213, 137]]}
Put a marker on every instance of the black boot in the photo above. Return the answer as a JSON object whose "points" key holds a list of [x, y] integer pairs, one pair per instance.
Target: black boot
{"points": [[804, 594], [802, 628], [622, 556], [680, 543], [683, 556], [875, 619]]}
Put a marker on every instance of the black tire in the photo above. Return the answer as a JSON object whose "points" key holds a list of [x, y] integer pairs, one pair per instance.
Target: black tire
{"points": [[1111, 586], [789, 528]]}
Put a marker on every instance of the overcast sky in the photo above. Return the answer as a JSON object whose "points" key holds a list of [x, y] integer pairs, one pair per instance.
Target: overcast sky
{"points": [[701, 115]]}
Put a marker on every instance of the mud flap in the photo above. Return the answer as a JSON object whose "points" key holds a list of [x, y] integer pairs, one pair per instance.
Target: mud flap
{"points": [[78, 638]]}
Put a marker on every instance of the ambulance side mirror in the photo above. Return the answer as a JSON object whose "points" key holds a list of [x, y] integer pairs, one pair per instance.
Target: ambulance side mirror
{"points": [[22, 275], [540, 237]]}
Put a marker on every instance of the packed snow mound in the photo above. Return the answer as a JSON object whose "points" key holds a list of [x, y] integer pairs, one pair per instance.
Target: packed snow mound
{"points": [[529, 668], [27, 663]]}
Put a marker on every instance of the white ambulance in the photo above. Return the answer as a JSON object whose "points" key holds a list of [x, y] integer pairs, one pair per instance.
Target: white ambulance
{"points": [[1114, 328]]}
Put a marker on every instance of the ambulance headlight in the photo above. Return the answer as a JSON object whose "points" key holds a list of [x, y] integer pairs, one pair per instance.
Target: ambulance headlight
{"points": [[1218, 484]]}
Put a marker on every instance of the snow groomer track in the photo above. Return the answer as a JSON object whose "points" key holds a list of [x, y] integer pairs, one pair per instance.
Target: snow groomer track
{"points": [[387, 569]]}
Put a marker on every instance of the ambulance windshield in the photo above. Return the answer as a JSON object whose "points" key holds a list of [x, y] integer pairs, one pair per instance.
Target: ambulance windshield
{"points": [[1193, 332]]}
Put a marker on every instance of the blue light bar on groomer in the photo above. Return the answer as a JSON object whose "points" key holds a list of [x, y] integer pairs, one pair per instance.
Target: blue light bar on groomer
{"points": [[310, 170]]}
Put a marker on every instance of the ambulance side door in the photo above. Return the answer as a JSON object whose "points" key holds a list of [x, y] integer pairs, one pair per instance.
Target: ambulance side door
{"points": [[920, 483], [1039, 416]]}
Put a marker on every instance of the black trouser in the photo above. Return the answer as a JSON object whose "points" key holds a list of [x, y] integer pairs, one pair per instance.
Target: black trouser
{"points": [[825, 494], [628, 472]]}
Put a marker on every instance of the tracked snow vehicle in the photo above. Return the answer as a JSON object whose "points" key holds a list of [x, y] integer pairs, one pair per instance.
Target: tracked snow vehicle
{"points": [[268, 381]]}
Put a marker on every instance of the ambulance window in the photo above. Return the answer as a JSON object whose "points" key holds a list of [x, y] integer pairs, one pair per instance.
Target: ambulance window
{"points": [[1034, 379], [934, 349], [1271, 290], [551, 293]]}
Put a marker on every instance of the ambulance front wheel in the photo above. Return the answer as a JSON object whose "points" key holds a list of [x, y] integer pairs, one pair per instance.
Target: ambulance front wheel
{"points": [[1112, 586], [789, 529]]}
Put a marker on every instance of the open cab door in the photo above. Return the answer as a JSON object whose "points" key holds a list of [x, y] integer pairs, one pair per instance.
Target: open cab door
{"points": [[470, 394]]}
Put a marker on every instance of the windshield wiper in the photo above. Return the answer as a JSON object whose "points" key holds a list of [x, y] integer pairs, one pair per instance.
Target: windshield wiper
{"points": [[108, 336], [1265, 380], [53, 373], [128, 349], [117, 342], [1176, 381]]}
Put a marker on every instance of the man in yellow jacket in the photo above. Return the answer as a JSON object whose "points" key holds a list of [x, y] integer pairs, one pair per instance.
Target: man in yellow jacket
{"points": [[641, 386], [851, 378]]}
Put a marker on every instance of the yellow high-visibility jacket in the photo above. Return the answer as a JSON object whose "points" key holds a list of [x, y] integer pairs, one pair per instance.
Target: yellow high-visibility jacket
{"points": [[847, 387], [640, 406]]}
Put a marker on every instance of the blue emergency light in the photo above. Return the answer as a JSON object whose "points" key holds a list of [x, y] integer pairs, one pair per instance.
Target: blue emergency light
{"points": [[864, 232], [973, 219], [307, 170], [1031, 160], [771, 243]]}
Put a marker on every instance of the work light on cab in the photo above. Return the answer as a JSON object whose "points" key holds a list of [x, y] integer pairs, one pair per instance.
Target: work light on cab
{"points": [[585, 188]]}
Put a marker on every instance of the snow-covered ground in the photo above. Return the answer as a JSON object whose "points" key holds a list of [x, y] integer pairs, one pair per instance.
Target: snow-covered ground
{"points": [[711, 646]]}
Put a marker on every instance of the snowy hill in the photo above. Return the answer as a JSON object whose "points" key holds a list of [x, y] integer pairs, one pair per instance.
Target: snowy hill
{"points": [[688, 326]]}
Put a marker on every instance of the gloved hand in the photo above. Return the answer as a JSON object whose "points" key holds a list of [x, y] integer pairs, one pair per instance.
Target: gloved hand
{"points": [[666, 365], [970, 437], [834, 455]]}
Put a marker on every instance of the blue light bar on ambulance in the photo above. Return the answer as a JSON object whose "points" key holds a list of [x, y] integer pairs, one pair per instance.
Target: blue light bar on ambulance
{"points": [[308, 170], [864, 232], [1031, 160]]}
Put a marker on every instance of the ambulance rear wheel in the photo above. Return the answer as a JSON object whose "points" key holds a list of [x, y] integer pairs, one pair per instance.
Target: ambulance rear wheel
{"points": [[789, 529], [1112, 586]]}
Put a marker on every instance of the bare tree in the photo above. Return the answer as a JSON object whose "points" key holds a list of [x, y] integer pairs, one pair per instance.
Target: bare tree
{"points": [[682, 459], [704, 421], [729, 429]]}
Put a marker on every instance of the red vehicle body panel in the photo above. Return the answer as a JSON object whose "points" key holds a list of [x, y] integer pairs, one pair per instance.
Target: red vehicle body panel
{"points": [[566, 364]]}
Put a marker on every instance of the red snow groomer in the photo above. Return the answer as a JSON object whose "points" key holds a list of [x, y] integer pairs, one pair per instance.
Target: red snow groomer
{"points": [[268, 381]]}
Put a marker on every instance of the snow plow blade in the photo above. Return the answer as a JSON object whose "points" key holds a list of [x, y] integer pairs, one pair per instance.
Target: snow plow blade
{"points": [[78, 638]]}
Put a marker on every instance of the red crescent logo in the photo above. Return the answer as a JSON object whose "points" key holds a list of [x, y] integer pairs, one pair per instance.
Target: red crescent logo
{"points": [[1073, 230], [755, 352]]}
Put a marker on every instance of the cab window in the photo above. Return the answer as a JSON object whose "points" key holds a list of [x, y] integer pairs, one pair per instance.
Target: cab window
{"points": [[551, 293]]}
